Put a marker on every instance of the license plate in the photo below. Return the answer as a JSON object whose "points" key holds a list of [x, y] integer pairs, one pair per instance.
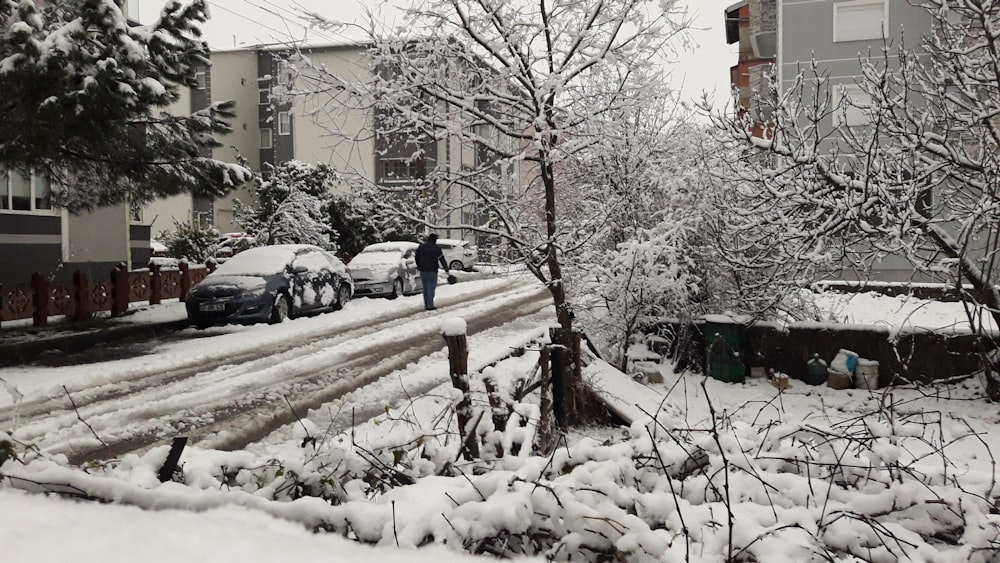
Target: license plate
{"points": [[212, 307]]}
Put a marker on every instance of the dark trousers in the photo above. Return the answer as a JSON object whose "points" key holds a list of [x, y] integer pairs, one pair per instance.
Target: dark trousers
{"points": [[429, 280]]}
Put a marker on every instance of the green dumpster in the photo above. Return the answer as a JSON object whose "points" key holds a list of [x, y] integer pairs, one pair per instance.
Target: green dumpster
{"points": [[724, 340]]}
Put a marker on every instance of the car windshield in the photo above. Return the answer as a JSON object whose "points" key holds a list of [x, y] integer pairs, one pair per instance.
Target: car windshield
{"points": [[376, 257], [263, 261]]}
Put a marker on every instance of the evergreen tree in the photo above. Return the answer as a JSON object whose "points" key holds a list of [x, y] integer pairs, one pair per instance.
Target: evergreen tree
{"points": [[83, 97]]}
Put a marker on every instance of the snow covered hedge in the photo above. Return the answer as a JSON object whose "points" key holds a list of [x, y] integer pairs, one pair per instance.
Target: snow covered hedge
{"points": [[897, 483]]}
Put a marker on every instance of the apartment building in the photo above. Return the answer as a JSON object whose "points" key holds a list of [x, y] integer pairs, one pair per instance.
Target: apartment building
{"points": [[301, 104], [836, 35]]}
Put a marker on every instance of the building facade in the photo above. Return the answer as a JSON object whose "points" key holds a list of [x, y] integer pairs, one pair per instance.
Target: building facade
{"points": [[303, 104]]}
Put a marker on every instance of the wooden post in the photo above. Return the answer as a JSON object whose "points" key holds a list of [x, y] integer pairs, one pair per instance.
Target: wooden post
{"points": [[567, 381], [185, 271], [545, 431], [119, 291], [155, 285], [458, 366], [40, 289], [81, 289], [173, 458]]}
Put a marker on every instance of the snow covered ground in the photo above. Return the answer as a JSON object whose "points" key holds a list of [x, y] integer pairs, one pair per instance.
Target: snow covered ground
{"points": [[898, 313], [808, 473]]}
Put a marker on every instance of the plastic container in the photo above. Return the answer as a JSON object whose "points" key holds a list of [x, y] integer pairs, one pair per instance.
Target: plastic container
{"points": [[866, 374], [816, 371], [838, 379], [723, 341], [845, 361]]}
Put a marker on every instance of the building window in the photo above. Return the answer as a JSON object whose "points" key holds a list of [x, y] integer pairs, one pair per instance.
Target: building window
{"points": [[851, 106], [860, 20], [265, 139], [284, 123], [284, 72], [265, 96], [24, 193], [400, 170], [200, 79]]}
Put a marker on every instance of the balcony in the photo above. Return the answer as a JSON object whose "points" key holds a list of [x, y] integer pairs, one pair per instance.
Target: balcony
{"points": [[764, 28]]}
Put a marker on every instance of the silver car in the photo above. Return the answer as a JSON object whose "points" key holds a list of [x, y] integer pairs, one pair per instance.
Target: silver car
{"points": [[459, 254], [386, 269]]}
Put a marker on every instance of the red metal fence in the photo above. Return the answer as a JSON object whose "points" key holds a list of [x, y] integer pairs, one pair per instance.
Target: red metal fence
{"points": [[82, 297]]}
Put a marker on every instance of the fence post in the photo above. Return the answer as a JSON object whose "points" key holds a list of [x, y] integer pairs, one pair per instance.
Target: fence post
{"points": [[155, 285], [185, 279], [545, 430], [40, 289], [119, 291], [458, 367], [81, 287]]}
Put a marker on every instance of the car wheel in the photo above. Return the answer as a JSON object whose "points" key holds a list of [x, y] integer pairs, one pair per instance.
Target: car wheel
{"points": [[281, 309], [202, 325], [343, 296], [456, 265], [397, 288]]}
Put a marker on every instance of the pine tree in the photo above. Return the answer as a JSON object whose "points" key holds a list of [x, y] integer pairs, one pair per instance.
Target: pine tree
{"points": [[83, 97]]}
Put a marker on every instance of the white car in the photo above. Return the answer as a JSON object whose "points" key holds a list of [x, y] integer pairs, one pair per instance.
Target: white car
{"points": [[386, 269], [459, 254]]}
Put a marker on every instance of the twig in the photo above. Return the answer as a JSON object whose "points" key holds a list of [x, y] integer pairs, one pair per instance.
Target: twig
{"points": [[80, 418]]}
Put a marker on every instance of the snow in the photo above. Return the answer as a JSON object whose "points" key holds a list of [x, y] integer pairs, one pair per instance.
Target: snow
{"points": [[898, 313], [91, 532], [606, 488], [453, 327]]}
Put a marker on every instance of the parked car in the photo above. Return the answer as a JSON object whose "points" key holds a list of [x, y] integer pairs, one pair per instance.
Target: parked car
{"points": [[459, 254], [386, 269], [270, 283]]}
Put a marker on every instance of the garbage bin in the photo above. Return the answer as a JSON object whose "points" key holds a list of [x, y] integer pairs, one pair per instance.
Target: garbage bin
{"points": [[724, 339]]}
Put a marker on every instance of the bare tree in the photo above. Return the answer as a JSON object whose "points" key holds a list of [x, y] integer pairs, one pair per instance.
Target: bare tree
{"points": [[528, 87], [918, 178]]}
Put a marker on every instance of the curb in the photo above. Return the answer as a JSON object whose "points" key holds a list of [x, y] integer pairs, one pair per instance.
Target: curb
{"points": [[24, 351]]}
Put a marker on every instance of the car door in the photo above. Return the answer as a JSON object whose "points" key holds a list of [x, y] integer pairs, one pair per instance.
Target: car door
{"points": [[337, 274], [310, 280]]}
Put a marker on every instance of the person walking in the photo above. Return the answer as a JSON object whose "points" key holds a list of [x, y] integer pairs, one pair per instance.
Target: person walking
{"points": [[429, 255]]}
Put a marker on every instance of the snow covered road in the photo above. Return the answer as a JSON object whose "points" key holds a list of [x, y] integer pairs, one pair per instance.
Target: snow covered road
{"points": [[231, 386]]}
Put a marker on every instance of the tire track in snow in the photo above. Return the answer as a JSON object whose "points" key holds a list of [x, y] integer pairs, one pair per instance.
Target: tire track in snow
{"points": [[238, 404]]}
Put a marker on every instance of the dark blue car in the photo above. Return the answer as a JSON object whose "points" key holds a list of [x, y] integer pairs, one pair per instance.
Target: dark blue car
{"points": [[270, 283]]}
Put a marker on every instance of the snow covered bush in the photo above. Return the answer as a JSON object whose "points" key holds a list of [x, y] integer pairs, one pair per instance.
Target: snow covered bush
{"points": [[289, 205], [897, 482], [190, 241]]}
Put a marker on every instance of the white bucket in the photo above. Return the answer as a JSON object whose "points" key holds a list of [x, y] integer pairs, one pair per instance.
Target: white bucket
{"points": [[866, 374]]}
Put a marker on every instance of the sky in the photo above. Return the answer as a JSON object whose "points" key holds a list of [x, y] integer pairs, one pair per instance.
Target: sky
{"points": [[237, 23]]}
